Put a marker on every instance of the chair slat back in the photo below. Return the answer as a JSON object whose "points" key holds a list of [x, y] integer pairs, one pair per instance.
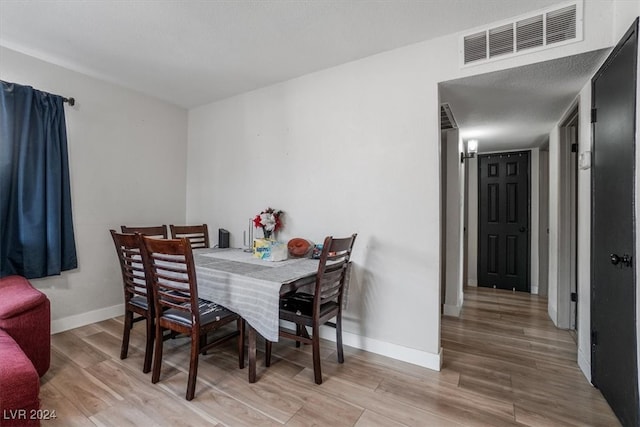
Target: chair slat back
{"points": [[159, 231], [333, 269], [172, 274], [198, 235], [131, 265]]}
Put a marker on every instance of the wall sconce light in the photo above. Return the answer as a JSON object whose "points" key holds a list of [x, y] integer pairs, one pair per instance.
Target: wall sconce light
{"points": [[472, 149]]}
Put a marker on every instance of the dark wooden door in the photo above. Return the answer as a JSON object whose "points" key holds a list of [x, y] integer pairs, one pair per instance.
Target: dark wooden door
{"points": [[613, 295], [503, 221]]}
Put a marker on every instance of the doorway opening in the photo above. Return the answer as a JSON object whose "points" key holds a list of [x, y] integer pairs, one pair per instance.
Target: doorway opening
{"points": [[568, 230]]}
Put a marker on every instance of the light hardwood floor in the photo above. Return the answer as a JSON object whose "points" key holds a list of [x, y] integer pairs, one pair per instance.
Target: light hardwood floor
{"points": [[504, 364]]}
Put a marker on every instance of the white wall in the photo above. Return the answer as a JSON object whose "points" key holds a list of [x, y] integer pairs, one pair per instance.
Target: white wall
{"points": [[624, 13], [455, 182], [472, 222], [543, 221], [534, 220], [352, 148], [127, 155], [554, 213], [339, 151], [584, 235], [560, 225]]}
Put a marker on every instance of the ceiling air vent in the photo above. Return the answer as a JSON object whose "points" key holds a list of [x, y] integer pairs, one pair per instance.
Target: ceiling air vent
{"points": [[446, 118], [501, 40], [529, 33], [561, 25], [475, 47], [544, 29]]}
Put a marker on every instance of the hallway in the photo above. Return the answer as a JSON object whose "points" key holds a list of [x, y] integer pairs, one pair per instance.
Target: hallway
{"points": [[504, 347]]}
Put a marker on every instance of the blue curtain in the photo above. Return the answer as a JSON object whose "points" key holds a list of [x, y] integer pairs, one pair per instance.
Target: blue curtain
{"points": [[36, 227]]}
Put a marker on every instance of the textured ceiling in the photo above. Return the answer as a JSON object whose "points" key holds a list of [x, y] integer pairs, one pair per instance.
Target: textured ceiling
{"points": [[518, 107], [194, 52], [191, 53]]}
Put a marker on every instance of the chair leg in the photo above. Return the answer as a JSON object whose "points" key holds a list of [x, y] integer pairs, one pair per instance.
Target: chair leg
{"points": [[304, 332], [193, 367], [339, 337], [148, 350], [267, 353], [315, 342], [241, 343], [128, 324], [251, 339], [298, 333], [157, 355], [203, 342]]}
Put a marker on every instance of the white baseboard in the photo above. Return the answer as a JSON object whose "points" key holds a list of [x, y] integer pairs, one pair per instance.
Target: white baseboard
{"points": [[452, 310], [472, 282], [398, 352], [83, 319], [585, 364]]}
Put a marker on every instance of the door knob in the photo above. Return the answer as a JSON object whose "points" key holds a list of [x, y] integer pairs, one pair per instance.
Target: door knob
{"points": [[617, 259], [523, 229]]}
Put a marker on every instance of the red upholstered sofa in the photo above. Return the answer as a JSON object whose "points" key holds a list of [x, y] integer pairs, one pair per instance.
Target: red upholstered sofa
{"points": [[25, 350]]}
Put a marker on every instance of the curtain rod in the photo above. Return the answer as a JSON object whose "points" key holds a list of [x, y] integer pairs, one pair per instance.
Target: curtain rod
{"points": [[70, 101]]}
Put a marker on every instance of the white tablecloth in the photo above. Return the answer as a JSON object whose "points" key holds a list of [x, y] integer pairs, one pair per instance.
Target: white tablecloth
{"points": [[247, 285]]}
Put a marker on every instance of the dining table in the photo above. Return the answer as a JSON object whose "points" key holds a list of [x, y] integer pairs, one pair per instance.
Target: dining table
{"points": [[251, 287]]}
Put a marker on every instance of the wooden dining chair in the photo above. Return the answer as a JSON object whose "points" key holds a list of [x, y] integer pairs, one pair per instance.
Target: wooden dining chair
{"points": [[198, 235], [313, 310], [172, 275], [159, 231], [138, 303]]}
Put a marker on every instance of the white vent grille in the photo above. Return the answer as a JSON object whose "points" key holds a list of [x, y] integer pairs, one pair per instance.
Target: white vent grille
{"points": [[561, 25], [447, 121], [536, 31], [475, 47], [501, 40], [529, 33]]}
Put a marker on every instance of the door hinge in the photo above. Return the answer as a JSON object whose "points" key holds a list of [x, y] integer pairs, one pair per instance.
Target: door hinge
{"points": [[574, 297], [574, 147], [594, 115], [594, 337]]}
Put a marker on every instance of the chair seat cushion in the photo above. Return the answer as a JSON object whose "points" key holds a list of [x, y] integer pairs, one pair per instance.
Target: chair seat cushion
{"points": [[301, 303], [209, 312], [139, 302]]}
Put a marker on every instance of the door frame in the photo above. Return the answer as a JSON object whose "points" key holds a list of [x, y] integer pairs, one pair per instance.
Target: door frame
{"points": [[530, 197], [568, 224]]}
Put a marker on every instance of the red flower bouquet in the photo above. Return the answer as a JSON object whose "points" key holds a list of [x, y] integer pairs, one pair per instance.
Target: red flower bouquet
{"points": [[269, 221]]}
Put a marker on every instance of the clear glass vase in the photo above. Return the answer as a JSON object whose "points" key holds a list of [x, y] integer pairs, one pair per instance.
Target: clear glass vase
{"points": [[268, 234]]}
